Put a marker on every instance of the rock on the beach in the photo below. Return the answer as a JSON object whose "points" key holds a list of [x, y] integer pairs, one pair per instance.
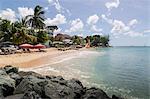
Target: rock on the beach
{"points": [[16, 77], [16, 96], [10, 69], [2, 72], [31, 83], [77, 87], [31, 95], [59, 88], [55, 90], [95, 93], [24, 74], [7, 84]]}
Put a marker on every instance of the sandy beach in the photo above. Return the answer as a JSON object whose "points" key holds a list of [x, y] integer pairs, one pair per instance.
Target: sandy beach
{"points": [[32, 59], [44, 62]]}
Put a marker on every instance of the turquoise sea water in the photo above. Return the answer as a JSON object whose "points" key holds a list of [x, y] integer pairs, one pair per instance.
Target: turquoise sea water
{"points": [[123, 71]]}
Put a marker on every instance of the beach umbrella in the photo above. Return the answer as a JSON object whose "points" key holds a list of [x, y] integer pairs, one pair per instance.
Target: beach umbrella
{"points": [[39, 46], [26, 46]]}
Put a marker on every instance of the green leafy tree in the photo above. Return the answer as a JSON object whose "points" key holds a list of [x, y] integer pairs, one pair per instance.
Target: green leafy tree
{"points": [[96, 40], [21, 36], [76, 40], [37, 19], [105, 41], [5, 28], [42, 37]]}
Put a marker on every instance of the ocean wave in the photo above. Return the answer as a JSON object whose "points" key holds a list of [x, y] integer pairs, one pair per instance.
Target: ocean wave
{"points": [[113, 90], [82, 53], [40, 69]]}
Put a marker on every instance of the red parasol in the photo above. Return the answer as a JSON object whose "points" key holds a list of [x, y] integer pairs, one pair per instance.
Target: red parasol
{"points": [[26, 46], [39, 46]]}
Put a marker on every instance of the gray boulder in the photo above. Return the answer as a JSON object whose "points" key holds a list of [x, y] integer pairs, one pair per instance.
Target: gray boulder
{"points": [[31, 95], [2, 72], [55, 90], [59, 88], [7, 84], [57, 79], [29, 73], [95, 93], [16, 77], [10, 69], [77, 87], [31, 83], [16, 96]]}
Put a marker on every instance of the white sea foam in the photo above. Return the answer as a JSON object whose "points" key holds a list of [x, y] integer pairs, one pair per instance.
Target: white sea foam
{"points": [[43, 69], [123, 92], [78, 54], [85, 76]]}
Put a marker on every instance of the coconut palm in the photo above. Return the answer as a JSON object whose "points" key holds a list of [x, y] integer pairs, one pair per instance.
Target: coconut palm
{"points": [[5, 28], [21, 36], [20, 32], [36, 20]]}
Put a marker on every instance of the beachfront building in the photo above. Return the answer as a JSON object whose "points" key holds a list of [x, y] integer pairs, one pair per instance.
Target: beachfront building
{"points": [[67, 42], [61, 37], [50, 30]]}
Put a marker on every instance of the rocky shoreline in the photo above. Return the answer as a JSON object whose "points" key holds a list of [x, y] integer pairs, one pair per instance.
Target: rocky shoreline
{"points": [[15, 84]]}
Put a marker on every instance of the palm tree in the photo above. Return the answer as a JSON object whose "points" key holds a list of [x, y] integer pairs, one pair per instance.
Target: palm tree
{"points": [[36, 20], [5, 30], [21, 36]]}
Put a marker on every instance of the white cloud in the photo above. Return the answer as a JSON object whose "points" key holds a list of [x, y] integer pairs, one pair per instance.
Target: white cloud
{"points": [[8, 14], [24, 11], [133, 22], [95, 29], [133, 34], [50, 1], [76, 26], [110, 21], [112, 4], [59, 19], [97, 34], [58, 7], [147, 31], [119, 27], [45, 8], [92, 19], [57, 31], [81, 35]]}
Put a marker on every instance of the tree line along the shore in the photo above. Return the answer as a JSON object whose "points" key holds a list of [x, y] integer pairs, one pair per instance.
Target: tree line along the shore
{"points": [[32, 29]]}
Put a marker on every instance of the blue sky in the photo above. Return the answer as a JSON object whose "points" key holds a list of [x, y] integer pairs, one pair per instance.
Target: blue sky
{"points": [[126, 21]]}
